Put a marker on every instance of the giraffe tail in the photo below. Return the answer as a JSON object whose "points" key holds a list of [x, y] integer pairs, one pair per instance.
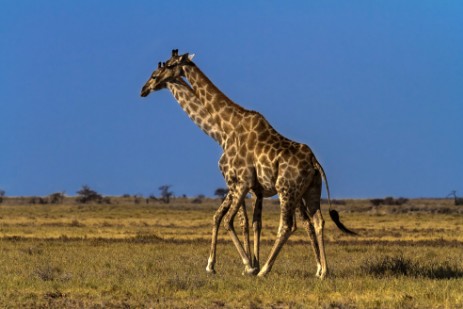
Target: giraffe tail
{"points": [[333, 213]]}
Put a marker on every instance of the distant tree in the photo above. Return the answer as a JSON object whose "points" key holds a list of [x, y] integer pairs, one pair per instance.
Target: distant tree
{"points": [[165, 193], [221, 193], [56, 198], [87, 195], [2, 195], [458, 201]]}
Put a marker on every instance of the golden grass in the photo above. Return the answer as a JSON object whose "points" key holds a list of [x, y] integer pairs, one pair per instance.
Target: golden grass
{"points": [[126, 255]]}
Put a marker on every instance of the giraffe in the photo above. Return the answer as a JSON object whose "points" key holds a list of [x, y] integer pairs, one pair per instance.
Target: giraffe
{"points": [[265, 163], [204, 120]]}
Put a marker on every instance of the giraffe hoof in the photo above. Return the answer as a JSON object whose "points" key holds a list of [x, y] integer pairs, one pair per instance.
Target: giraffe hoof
{"points": [[250, 271], [210, 270], [264, 271], [321, 276], [256, 264]]}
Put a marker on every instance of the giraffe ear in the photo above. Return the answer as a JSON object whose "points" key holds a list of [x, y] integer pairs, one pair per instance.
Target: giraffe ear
{"points": [[191, 56]]}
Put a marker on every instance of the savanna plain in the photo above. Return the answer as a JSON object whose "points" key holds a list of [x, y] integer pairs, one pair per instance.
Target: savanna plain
{"points": [[137, 255]]}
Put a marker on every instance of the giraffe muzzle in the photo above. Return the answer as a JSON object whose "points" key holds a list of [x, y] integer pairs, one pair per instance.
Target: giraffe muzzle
{"points": [[145, 91]]}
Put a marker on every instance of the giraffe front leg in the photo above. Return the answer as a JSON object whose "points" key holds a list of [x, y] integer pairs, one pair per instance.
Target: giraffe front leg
{"points": [[219, 214], [238, 198]]}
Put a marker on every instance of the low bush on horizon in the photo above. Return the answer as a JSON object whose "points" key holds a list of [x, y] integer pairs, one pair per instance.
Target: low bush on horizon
{"points": [[389, 201]]}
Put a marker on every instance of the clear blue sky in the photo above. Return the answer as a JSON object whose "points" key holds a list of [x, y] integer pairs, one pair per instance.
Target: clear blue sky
{"points": [[375, 88]]}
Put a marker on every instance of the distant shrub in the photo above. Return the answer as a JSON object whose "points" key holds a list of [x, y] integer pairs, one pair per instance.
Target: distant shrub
{"points": [[2, 195], [38, 200], [56, 198], [138, 198], [389, 201], [87, 195], [199, 199], [401, 201], [377, 201]]}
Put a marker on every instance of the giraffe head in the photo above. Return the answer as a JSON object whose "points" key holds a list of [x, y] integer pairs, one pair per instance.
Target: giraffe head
{"points": [[152, 84], [167, 72]]}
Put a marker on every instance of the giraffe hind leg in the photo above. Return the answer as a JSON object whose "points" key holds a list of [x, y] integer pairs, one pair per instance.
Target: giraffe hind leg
{"points": [[319, 225], [316, 224], [257, 228], [244, 223], [308, 225], [287, 210]]}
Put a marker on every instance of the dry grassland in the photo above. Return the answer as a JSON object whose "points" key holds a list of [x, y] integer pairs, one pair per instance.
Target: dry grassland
{"points": [[154, 256]]}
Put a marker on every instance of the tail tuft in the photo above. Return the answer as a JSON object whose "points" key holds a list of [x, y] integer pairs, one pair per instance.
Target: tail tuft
{"points": [[335, 217]]}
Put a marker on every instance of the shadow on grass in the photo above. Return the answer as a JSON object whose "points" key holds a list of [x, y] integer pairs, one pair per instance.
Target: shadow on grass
{"points": [[401, 266]]}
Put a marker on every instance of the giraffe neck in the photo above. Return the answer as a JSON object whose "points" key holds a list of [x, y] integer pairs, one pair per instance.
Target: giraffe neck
{"points": [[226, 113], [195, 110]]}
